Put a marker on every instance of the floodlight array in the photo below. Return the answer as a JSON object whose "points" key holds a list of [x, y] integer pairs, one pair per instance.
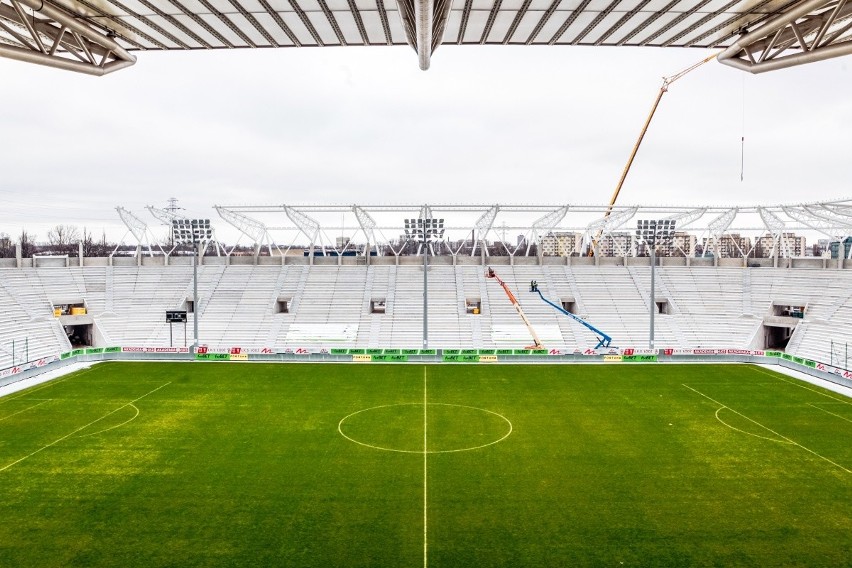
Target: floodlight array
{"points": [[424, 229], [652, 231], [192, 231]]}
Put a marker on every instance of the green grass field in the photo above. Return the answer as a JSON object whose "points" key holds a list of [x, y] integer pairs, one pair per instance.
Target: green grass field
{"points": [[211, 464]]}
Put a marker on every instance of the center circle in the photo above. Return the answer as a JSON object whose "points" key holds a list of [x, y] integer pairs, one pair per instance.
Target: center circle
{"points": [[445, 428]]}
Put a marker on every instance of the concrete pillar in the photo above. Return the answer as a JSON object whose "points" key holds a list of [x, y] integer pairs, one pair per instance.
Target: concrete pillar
{"points": [[19, 261], [80, 252]]}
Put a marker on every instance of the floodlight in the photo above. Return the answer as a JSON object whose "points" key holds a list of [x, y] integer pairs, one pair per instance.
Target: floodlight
{"points": [[652, 232]]}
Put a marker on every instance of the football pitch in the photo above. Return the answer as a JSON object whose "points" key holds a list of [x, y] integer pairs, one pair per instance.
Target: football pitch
{"points": [[338, 465]]}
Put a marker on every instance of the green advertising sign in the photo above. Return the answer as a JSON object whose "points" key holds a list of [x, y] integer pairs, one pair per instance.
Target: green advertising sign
{"points": [[338, 351], [213, 356], [639, 358], [112, 349], [461, 358], [391, 358]]}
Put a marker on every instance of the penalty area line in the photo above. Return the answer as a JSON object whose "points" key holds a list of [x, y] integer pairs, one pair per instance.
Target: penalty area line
{"points": [[66, 436], [782, 436]]}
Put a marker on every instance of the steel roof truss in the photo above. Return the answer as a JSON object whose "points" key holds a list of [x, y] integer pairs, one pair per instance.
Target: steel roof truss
{"points": [[808, 32], [86, 49]]}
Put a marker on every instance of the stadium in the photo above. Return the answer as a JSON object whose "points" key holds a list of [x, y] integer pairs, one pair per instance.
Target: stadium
{"points": [[429, 384]]}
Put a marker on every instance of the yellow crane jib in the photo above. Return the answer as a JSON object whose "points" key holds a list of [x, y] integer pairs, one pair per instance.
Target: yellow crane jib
{"points": [[663, 89]]}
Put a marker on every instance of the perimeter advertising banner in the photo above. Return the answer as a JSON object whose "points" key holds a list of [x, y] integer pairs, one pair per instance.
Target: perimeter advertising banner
{"points": [[156, 350], [235, 350], [8, 372], [833, 370]]}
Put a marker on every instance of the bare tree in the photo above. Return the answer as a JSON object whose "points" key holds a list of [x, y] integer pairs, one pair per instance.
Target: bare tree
{"points": [[62, 235], [63, 238], [28, 246], [7, 247]]}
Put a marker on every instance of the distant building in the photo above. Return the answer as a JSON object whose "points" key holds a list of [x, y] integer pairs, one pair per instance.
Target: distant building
{"points": [[843, 248], [560, 243], [789, 245], [615, 244], [731, 245], [681, 244]]}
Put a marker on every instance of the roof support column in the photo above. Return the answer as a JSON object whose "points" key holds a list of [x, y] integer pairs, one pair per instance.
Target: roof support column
{"points": [[424, 13]]}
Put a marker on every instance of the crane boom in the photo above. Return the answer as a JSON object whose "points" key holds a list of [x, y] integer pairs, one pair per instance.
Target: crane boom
{"points": [[603, 341], [663, 89], [537, 343]]}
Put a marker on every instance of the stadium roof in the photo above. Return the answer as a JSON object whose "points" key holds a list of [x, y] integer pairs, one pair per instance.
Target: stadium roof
{"points": [[99, 36], [336, 227]]}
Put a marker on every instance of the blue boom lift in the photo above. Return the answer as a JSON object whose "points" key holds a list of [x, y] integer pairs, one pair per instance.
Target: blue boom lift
{"points": [[603, 341]]}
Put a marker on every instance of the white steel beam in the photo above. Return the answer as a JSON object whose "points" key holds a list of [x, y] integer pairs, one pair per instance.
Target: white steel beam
{"points": [[810, 31], [718, 226], [35, 31], [776, 227], [483, 227], [368, 226], [819, 219], [137, 228]]}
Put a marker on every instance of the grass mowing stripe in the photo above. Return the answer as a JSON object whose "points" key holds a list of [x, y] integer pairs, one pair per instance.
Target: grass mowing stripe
{"points": [[767, 429], [83, 427]]}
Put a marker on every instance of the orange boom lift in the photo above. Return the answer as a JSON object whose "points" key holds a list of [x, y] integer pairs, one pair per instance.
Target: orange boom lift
{"points": [[537, 344]]}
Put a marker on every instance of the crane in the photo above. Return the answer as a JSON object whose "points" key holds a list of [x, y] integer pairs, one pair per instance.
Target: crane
{"points": [[663, 90], [603, 341], [536, 343]]}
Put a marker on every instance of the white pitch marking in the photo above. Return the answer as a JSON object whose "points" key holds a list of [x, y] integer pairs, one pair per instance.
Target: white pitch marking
{"points": [[721, 408], [24, 410], [828, 412], [796, 384], [132, 418], [497, 414], [83, 427], [768, 429], [425, 475]]}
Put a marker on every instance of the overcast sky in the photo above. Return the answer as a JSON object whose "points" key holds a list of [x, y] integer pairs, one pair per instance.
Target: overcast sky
{"points": [[544, 125]]}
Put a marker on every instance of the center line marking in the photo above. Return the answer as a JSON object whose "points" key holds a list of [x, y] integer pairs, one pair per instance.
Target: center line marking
{"points": [[425, 484]]}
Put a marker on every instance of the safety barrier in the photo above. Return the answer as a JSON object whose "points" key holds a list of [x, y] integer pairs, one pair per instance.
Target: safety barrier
{"points": [[451, 356]]}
